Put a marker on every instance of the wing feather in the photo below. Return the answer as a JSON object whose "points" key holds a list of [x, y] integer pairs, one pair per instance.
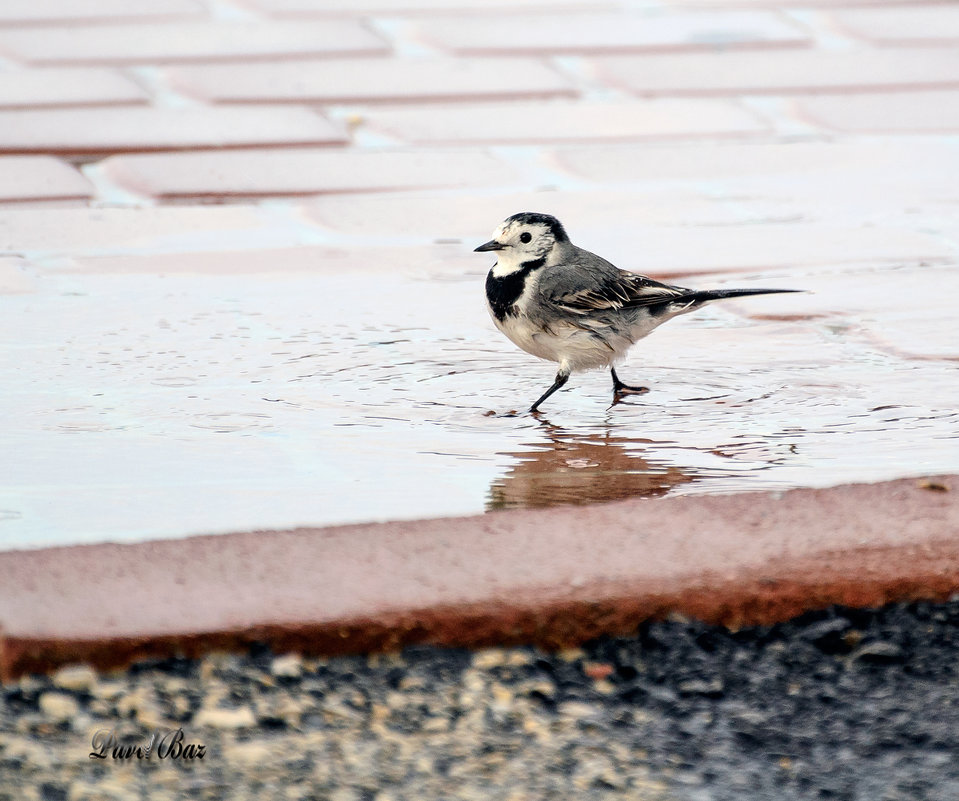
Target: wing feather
{"points": [[621, 290]]}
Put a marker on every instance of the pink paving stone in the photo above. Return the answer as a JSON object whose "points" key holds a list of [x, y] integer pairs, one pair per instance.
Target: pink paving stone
{"points": [[371, 80], [422, 261], [314, 259], [891, 307], [14, 278], [899, 159], [912, 112], [305, 8], [676, 251], [893, 310], [626, 238], [560, 121], [472, 217], [884, 306], [35, 12], [40, 178], [188, 41], [620, 32], [95, 231], [664, 253], [781, 71], [111, 130], [935, 24], [726, 4], [54, 87], [299, 172], [918, 338], [840, 180]]}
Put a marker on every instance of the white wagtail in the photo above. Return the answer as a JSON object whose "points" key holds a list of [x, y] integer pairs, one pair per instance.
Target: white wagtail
{"points": [[565, 304]]}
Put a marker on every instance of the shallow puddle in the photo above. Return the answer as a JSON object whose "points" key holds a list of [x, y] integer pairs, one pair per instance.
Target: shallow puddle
{"points": [[140, 406]]}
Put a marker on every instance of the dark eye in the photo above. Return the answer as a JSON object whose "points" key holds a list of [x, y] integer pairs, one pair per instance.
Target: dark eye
{"points": [[526, 236]]}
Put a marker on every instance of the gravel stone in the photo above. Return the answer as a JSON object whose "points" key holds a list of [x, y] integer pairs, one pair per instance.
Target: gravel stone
{"points": [[58, 706], [713, 689], [878, 652], [217, 718], [288, 666], [108, 690], [75, 678], [843, 704]]}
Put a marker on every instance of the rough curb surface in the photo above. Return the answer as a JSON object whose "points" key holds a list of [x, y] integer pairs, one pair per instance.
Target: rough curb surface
{"points": [[552, 577]]}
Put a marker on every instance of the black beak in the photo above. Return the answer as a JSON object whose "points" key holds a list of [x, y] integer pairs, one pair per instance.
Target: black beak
{"points": [[491, 245]]}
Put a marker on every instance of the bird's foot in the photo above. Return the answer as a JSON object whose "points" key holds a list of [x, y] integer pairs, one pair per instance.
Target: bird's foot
{"points": [[620, 394], [624, 389], [621, 390]]}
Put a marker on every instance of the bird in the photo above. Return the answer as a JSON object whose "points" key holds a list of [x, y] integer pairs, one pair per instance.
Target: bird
{"points": [[565, 304]]}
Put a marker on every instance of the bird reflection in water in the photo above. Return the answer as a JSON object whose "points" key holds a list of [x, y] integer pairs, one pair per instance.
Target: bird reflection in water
{"points": [[568, 468]]}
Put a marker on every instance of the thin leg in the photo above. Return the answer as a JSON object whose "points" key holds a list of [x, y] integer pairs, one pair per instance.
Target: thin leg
{"points": [[561, 379], [619, 388]]}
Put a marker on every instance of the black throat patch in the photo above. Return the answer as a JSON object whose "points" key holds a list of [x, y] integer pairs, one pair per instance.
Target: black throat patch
{"points": [[502, 292]]}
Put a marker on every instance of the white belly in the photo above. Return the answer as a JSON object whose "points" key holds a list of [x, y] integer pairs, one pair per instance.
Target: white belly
{"points": [[571, 346]]}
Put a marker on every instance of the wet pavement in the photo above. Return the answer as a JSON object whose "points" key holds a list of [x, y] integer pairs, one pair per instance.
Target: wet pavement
{"points": [[218, 391], [237, 284]]}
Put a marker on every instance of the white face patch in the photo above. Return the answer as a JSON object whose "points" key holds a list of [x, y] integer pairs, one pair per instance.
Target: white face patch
{"points": [[517, 252]]}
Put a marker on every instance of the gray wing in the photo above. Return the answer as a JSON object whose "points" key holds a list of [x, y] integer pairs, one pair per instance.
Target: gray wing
{"points": [[587, 284]]}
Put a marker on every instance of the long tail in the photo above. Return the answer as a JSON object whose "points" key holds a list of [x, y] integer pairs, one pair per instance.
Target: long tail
{"points": [[693, 299], [704, 295]]}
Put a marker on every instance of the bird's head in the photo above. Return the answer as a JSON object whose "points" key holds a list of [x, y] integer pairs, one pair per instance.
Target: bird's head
{"points": [[523, 238]]}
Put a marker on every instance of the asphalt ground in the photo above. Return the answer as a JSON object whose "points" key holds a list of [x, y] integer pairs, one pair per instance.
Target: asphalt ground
{"points": [[839, 704]]}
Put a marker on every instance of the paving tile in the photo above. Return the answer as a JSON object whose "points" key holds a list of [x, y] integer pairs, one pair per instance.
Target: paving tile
{"points": [[420, 261], [934, 24], [710, 164], [681, 242], [908, 179], [781, 71], [472, 217], [725, 4], [24, 178], [371, 80], [188, 41], [55, 87], [622, 32], [891, 310], [673, 251], [53, 232], [566, 121], [111, 130], [225, 263], [14, 278], [424, 262], [299, 172], [306, 8], [37, 12], [870, 295], [915, 112], [918, 337]]}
